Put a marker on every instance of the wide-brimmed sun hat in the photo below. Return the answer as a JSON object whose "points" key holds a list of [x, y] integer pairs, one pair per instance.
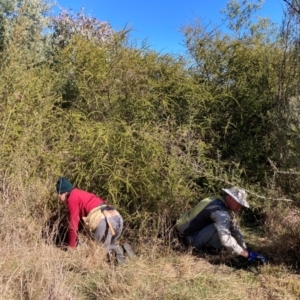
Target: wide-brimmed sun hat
{"points": [[239, 195]]}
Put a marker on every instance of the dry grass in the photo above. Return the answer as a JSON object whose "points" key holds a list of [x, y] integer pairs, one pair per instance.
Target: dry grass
{"points": [[283, 227], [34, 268], [40, 271]]}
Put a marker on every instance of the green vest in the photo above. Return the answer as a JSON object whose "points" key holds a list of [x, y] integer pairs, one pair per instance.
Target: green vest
{"points": [[197, 218]]}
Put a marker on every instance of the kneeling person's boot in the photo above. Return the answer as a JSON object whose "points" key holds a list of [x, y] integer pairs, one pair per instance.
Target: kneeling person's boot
{"points": [[119, 255], [128, 251]]}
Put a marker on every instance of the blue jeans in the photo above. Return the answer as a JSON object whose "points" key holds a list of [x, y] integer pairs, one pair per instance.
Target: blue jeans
{"points": [[207, 236]]}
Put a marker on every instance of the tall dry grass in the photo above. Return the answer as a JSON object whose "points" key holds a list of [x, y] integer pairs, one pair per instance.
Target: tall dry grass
{"points": [[40, 271], [33, 267], [283, 226]]}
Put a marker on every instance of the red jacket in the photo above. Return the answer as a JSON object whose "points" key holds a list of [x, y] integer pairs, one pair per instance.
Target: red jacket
{"points": [[79, 203]]}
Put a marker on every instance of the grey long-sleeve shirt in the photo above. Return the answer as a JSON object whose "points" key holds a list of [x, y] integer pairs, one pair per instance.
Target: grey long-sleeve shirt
{"points": [[229, 231]]}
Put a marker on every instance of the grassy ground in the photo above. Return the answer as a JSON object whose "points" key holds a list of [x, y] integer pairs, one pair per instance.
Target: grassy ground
{"points": [[40, 271], [33, 268]]}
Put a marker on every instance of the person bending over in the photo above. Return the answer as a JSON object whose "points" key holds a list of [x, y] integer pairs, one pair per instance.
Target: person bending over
{"points": [[103, 221], [212, 222]]}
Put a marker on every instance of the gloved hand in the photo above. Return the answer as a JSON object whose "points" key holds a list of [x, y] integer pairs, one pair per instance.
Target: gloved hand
{"points": [[252, 256]]}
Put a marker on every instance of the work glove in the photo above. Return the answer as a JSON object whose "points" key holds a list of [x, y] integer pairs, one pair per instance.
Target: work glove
{"points": [[252, 257]]}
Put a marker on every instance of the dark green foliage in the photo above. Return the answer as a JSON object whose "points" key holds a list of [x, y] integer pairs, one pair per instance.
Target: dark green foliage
{"points": [[150, 133], [240, 76]]}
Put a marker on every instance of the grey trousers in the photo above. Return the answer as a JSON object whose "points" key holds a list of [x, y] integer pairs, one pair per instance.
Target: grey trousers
{"points": [[103, 235], [207, 236]]}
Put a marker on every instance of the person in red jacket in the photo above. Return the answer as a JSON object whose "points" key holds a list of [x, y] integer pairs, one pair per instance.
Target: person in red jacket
{"points": [[102, 220]]}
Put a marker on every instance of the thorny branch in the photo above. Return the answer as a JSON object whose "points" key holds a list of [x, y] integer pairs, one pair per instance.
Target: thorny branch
{"points": [[232, 184]]}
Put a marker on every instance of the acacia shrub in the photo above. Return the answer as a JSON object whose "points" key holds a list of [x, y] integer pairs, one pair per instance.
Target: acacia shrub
{"points": [[241, 77], [137, 138], [117, 81]]}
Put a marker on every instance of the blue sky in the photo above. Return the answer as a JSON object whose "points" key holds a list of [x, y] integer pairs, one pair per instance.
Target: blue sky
{"points": [[159, 21]]}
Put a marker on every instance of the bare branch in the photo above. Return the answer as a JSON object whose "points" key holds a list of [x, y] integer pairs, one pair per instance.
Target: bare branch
{"points": [[232, 184], [292, 6], [291, 172]]}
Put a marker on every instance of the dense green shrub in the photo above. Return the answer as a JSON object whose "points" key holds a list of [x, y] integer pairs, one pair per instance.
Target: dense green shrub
{"points": [[150, 133]]}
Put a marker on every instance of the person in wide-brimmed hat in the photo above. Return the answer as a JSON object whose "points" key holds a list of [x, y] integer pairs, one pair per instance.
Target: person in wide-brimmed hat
{"points": [[212, 223]]}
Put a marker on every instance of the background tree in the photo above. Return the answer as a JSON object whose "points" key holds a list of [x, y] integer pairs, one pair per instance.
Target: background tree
{"points": [[238, 72]]}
